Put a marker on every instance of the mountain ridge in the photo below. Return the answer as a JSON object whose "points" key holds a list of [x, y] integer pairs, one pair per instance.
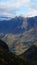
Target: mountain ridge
{"points": [[18, 25]]}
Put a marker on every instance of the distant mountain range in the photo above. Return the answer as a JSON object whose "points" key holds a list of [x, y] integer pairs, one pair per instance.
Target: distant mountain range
{"points": [[19, 33], [17, 25]]}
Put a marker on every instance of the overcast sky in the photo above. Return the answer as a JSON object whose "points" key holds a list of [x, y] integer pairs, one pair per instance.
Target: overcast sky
{"points": [[13, 8]]}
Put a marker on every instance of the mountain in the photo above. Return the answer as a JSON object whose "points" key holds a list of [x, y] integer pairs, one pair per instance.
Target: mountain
{"points": [[17, 25], [19, 33]]}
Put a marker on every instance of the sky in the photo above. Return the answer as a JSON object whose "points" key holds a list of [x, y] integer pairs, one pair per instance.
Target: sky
{"points": [[12, 8]]}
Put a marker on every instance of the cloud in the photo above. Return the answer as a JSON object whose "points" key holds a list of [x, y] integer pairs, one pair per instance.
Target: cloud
{"points": [[7, 9], [13, 7], [31, 13]]}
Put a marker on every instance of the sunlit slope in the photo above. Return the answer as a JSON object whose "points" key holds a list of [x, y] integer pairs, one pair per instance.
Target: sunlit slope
{"points": [[35, 43]]}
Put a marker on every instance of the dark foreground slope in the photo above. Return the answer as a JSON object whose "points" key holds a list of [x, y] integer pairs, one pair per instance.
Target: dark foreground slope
{"points": [[31, 54], [8, 58]]}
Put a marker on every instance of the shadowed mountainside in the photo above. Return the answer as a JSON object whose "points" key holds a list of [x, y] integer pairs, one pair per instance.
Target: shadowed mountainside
{"points": [[8, 58], [31, 53]]}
